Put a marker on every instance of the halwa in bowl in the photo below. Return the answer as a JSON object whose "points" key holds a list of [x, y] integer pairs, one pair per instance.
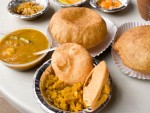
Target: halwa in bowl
{"points": [[54, 95], [17, 48]]}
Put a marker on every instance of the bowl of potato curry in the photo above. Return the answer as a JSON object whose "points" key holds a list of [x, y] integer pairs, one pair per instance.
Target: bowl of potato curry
{"points": [[17, 48]]}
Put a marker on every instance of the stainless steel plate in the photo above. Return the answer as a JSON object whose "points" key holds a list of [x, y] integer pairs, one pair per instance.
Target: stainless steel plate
{"points": [[48, 107]]}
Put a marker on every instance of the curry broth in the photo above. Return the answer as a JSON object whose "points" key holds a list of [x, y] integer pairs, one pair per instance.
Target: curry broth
{"points": [[18, 47]]}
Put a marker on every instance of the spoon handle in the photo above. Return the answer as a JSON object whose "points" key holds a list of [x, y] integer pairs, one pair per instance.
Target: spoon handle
{"points": [[45, 51]]}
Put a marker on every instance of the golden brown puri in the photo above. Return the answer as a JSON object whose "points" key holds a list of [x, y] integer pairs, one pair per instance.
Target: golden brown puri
{"points": [[71, 63], [133, 47], [78, 25], [94, 84]]}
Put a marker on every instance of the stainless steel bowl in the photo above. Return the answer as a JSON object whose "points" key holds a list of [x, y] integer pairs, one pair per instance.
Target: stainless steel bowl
{"points": [[125, 3], [69, 5], [11, 6], [49, 108]]}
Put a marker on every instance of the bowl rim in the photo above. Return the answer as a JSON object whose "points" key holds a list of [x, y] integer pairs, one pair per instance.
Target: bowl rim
{"points": [[69, 5], [32, 62], [49, 108], [28, 16], [123, 6]]}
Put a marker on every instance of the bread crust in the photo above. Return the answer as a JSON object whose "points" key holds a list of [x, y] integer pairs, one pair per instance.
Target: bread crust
{"points": [[133, 47], [78, 25]]}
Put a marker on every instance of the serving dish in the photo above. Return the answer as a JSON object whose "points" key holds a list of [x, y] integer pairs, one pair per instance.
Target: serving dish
{"points": [[48, 107], [99, 49], [69, 5], [33, 63], [125, 3], [14, 3], [128, 71]]}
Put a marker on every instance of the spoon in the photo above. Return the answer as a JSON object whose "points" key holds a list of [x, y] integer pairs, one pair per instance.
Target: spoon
{"points": [[45, 51]]}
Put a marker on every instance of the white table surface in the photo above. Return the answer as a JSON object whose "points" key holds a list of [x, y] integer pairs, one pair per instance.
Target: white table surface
{"points": [[129, 95]]}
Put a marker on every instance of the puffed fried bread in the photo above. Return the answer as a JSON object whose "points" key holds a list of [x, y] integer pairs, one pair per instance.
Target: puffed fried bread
{"points": [[72, 63], [78, 25], [133, 47], [94, 84]]}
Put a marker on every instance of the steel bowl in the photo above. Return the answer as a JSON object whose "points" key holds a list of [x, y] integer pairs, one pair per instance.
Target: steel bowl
{"points": [[14, 3], [49, 108], [125, 3]]}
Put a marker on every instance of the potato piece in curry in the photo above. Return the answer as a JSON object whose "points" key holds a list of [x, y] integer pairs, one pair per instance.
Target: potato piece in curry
{"points": [[18, 47]]}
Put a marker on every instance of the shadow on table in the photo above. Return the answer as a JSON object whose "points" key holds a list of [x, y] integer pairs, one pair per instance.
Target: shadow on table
{"points": [[104, 54]]}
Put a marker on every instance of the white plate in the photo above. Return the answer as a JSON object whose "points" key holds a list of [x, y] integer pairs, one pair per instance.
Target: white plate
{"points": [[117, 60], [97, 50]]}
